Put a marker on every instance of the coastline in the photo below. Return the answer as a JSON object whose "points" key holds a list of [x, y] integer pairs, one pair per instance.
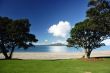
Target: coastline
{"points": [[55, 55]]}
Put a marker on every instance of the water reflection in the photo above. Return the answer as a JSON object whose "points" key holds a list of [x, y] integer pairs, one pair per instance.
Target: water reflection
{"points": [[63, 49], [57, 49], [49, 49]]}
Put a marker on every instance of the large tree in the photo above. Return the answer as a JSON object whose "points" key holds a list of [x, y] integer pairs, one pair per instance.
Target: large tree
{"points": [[83, 37], [90, 33], [14, 33]]}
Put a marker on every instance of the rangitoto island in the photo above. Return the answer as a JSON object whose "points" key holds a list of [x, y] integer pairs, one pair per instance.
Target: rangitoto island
{"points": [[55, 44]]}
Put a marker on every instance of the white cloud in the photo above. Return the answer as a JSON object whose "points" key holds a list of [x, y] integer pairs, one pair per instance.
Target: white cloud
{"points": [[107, 42], [35, 43], [61, 29]]}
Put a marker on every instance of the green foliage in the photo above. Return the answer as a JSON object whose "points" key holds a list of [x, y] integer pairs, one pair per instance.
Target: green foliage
{"points": [[15, 33], [99, 14], [82, 36]]}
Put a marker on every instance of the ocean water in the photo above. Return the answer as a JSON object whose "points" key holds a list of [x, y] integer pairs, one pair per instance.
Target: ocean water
{"points": [[49, 49], [57, 49]]}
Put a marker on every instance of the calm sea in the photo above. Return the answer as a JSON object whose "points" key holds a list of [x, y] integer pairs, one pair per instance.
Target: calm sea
{"points": [[55, 49]]}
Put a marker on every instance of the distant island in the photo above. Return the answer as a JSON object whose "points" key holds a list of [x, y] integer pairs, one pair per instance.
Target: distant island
{"points": [[55, 44]]}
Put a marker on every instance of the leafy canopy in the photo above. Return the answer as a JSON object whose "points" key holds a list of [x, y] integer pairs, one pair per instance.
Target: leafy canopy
{"points": [[15, 33], [99, 14], [83, 37]]}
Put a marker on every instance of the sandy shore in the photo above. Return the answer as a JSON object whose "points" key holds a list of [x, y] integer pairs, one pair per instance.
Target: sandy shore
{"points": [[54, 55]]}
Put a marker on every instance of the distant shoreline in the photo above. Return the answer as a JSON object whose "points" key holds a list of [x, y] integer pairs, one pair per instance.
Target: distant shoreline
{"points": [[55, 44], [50, 45]]}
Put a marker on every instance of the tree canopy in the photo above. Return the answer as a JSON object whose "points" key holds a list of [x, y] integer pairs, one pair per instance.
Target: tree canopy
{"points": [[14, 33], [99, 15], [85, 38]]}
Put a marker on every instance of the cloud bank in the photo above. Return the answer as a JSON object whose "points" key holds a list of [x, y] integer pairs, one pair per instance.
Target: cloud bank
{"points": [[107, 42], [61, 29]]}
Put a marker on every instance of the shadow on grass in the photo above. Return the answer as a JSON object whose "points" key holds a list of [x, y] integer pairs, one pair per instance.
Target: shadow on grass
{"points": [[12, 59], [103, 57], [94, 59]]}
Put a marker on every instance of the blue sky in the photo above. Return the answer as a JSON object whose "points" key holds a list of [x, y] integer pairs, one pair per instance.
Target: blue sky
{"points": [[46, 15]]}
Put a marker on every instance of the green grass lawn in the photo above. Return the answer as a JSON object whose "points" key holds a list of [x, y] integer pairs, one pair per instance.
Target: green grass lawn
{"points": [[54, 66]]}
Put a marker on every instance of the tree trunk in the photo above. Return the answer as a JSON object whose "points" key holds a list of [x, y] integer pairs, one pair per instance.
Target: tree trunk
{"points": [[87, 53], [4, 51], [5, 54], [11, 53]]}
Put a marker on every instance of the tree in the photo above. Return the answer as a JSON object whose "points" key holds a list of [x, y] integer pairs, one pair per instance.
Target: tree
{"points": [[90, 33], [83, 37], [14, 33], [99, 14]]}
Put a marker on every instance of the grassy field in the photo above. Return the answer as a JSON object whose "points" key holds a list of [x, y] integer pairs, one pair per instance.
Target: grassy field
{"points": [[54, 66]]}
